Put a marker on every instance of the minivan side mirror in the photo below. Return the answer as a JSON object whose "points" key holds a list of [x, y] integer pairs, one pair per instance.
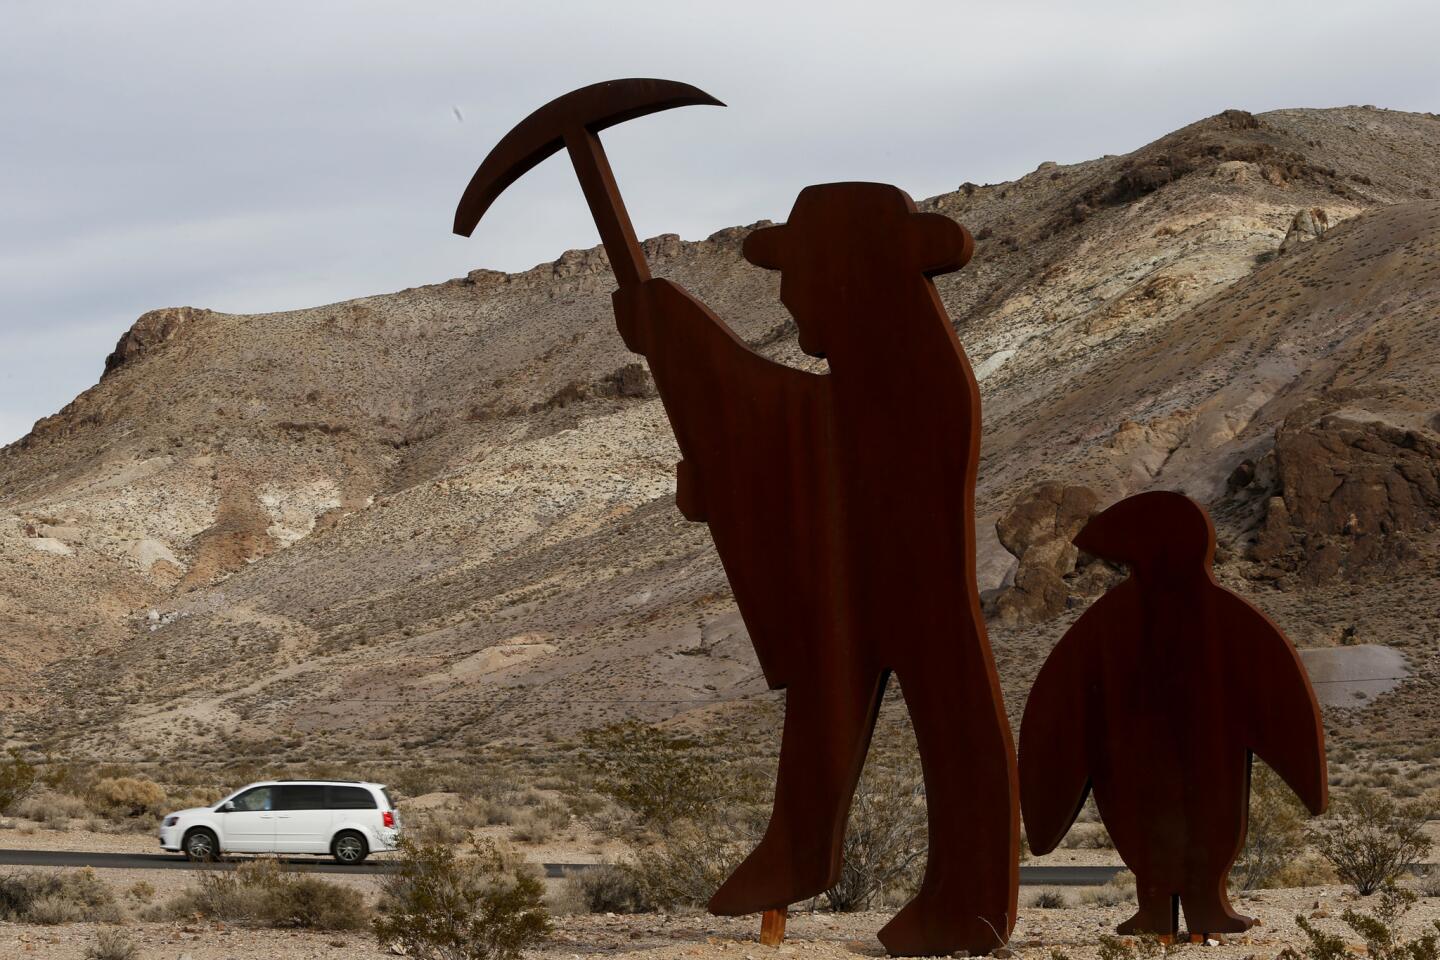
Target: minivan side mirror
{"points": [[227, 807]]}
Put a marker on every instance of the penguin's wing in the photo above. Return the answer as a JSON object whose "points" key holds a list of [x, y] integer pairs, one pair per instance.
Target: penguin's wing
{"points": [[1282, 717], [1054, 769]]}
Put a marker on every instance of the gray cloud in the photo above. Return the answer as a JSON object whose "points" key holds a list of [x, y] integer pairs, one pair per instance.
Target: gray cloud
{"points": [[276, 155]]}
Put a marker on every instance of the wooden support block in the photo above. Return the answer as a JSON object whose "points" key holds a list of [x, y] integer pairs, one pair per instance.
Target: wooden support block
{"points": [[772, 927]]}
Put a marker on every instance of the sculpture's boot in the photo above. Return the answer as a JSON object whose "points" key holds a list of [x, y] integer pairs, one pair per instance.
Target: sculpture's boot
{"points": [[828, 721], [967, 900]]}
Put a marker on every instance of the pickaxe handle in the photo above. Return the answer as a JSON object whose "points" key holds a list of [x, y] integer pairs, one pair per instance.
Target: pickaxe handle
{"points": [[574, 121], [627, 260]]}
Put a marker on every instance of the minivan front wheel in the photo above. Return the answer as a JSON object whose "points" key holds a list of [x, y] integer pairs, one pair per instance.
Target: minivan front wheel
{"points": [[201, 845], [349, 847]]}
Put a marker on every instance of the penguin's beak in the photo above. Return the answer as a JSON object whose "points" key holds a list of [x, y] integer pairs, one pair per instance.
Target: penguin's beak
{"points": [[1101, 537]]}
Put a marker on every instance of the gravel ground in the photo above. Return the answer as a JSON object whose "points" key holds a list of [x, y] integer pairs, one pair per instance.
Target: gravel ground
{"points": [[1073, 931]]}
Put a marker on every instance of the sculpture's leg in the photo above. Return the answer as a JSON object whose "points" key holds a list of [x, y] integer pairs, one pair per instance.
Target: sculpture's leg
{"points": [[1158, 911], [968, 896], [1208, 910], [828, 720]]}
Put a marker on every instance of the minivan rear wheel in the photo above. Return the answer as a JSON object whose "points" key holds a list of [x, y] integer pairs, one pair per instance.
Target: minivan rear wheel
{"points": [[349, 848], [201, 845]]}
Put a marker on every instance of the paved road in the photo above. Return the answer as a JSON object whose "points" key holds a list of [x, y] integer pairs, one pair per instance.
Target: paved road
{"points": [[1035, 876]]}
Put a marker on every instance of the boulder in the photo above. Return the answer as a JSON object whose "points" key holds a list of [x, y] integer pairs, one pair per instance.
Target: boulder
{"points": [[1352, 493], [1038, 529], [1306, 225]]}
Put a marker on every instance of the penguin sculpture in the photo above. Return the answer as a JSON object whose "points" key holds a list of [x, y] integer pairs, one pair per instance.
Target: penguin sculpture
{"points": [[1157, 698]]}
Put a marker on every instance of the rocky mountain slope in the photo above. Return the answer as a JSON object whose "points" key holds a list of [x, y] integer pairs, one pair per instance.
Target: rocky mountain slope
{"points": [[442, 520]]}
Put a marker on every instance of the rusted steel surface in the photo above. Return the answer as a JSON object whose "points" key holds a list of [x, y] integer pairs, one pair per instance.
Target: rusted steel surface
{"points": [[772, 927], [842, 508], [572, 123], [1156, 699]]}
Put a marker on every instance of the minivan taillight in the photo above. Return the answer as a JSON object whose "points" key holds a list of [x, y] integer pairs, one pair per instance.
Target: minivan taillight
{"points": [[388, 818]]}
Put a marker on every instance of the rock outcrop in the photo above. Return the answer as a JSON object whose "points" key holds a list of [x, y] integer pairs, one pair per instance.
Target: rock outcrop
{"points": [[1038, 529], [1305, 226], [150, 331], [1352, 493]]}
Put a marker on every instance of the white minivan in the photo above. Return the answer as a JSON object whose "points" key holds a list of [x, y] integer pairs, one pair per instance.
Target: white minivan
{"points": [[346, 819]]}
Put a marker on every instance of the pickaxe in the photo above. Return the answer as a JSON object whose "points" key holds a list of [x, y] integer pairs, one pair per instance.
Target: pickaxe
{"points": [[573, 121]]}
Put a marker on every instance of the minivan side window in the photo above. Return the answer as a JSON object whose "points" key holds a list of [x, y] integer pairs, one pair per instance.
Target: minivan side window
{"points": [[258, 799], [301, 796], [349, 798]]}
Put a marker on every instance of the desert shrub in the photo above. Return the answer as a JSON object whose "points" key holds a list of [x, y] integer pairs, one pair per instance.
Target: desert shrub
{"points": [[54, 898], [1114, 948], [1088, 837], [262, 893], [438, 906], [689, 864], [541, 823], [141, 891], [886, 837], [1049, 900], [659, 778], [1275, 837], [127, 796], [112, 944], [49, 807], [1370, 839], [1379, 929], [604, 888], [1429, 882], [17, 779], [1117, 890]]}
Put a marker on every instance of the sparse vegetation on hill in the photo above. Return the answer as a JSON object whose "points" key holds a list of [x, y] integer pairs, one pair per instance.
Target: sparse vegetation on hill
{"points": [[438, 524]]}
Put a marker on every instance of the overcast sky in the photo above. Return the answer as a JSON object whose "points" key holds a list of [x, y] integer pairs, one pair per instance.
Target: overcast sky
{"points": [[263, 156]]}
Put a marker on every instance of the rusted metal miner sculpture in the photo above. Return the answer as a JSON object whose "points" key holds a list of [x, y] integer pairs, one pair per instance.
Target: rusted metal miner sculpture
{"points": [[1156, 699], [842, 507]]}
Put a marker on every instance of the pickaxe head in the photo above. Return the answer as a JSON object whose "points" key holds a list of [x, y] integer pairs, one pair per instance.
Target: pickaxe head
{"points": [[557, 124]]}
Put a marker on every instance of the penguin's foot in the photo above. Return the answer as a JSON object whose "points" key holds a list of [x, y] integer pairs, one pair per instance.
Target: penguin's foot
{"points": [[1227, 921], [769, 881], [928, 928]]}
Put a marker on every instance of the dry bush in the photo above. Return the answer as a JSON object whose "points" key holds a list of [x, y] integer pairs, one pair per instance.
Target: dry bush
{"points": [[1117, 890], [885, 840], [1088, 837], [54, 898], [689, 864], [17, 779], [1370, 839], [603, 888], [541, 823], [46, 806], [1275, 837], [127, 797], [660, 779], [1049, 900], [261, 893], [112, 944], [1309, 869], [439, 906]]}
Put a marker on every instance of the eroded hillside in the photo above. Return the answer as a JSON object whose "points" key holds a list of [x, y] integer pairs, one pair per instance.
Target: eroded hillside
{"points": [[443, 518]]}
